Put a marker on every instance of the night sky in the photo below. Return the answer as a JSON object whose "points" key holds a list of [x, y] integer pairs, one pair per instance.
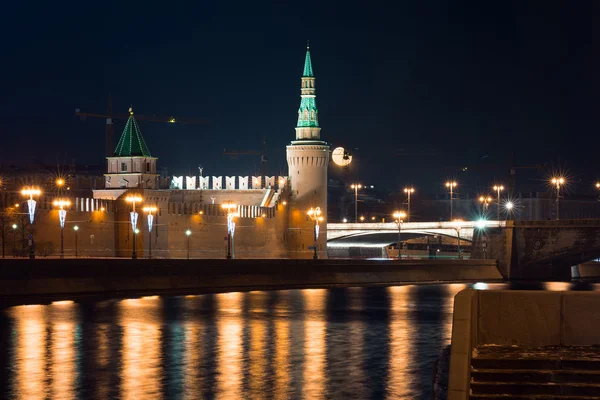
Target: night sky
{"points": [[443, 83]]}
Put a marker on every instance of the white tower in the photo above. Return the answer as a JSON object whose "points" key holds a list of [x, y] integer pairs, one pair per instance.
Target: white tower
{"points": [[307, 157]]}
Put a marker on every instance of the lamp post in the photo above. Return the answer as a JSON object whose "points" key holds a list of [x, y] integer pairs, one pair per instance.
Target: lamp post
{"points": [[451, 185], [498, 189], [134, 217], [409, 191], [399, 215], [150, 210], [485, 203], [188, 233], [558, 181], [509, 206], [231, 214], [14, 228], [31, 191], [356, 186], [62, 216], [457, 227], [598, 187], [481, 225], [315, 215], [76, 228]]}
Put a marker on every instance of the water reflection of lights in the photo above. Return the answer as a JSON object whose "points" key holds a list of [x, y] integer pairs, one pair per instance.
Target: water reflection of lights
{"points": [[193, 382], [282, 349], [557, 286], [314, 343], [257, 359], [62, 338], [356, 334], [401, 331], [141, 355], [102, 361], [229, 344], [62, 302], [29, 358]]}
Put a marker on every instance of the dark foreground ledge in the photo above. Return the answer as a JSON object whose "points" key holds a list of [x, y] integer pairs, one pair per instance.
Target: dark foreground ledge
{"points": [[80, 277]]}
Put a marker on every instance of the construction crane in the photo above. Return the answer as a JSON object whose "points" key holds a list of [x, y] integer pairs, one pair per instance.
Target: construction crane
{"points": [[109, 116], [263, 156]]}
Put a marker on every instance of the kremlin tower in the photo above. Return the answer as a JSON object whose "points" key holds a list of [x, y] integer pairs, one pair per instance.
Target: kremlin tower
{"points": [[307, 157]]}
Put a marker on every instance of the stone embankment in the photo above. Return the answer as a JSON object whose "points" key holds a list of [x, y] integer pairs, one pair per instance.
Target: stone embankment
{"points": [[57, 277]]}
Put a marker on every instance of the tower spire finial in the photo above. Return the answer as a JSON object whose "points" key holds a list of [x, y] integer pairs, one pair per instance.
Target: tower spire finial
{"points": [[308, 45]]}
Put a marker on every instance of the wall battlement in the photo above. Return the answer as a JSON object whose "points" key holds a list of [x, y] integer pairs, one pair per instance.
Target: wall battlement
{"points": [[216, 182]]}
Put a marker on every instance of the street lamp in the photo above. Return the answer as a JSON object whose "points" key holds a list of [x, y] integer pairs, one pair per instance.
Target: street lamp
{"points": [[150, 210], [62, 216], [188, 233], [399, 215], [134, 217], [356, 186], [75, 228], [481, 225], [31, 191], [498, 189], [509, 207], [315, 215], [558, 181], [231, 214], [451, 185], [59, 182], [14, 227], [457, 227], [485, 203], [409, 191]]}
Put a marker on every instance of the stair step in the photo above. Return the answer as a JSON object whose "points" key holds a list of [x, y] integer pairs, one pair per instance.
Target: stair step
{"points": [[535, 364], [537, 376], [520, 388]]}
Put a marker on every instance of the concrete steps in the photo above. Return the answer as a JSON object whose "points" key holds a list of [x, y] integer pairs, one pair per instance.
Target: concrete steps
{"points": [[558, 372]]}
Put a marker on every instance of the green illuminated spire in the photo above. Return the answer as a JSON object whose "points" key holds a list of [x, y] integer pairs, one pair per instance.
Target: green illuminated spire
{"points": [[308, 71], [308, 114], [132, 142]]}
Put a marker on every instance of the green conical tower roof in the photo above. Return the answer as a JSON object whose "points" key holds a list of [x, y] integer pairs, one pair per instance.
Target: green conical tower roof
{"points": [[132, 142], [308, 114], [308, 71]]}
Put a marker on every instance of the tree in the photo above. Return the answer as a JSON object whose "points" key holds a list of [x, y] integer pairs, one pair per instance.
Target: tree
{"points": [[6, 220]]}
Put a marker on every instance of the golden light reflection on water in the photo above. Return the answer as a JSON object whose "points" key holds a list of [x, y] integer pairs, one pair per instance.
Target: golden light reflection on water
{"points": [[450, 291], [62, 337], [140, 320], [402, 333], [30, 358], [194, 333], [314, 343], [356, 334], [102, 361], [229, 346], [257, 359], [282, 348]]}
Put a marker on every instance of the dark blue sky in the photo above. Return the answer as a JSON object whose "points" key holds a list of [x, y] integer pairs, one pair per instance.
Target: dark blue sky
{"points": [[467, 79]]}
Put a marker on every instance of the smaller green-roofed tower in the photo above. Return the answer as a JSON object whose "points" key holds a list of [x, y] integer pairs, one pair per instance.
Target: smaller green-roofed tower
{"points": [[132, 165], [132, 142], [308, 115]]}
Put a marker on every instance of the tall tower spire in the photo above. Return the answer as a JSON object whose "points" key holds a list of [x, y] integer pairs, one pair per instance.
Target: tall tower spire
{"points": [[308, 115], [308, 158]]}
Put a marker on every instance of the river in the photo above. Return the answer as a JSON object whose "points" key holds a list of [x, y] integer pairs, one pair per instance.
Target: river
{"points": [[350, 343]]}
